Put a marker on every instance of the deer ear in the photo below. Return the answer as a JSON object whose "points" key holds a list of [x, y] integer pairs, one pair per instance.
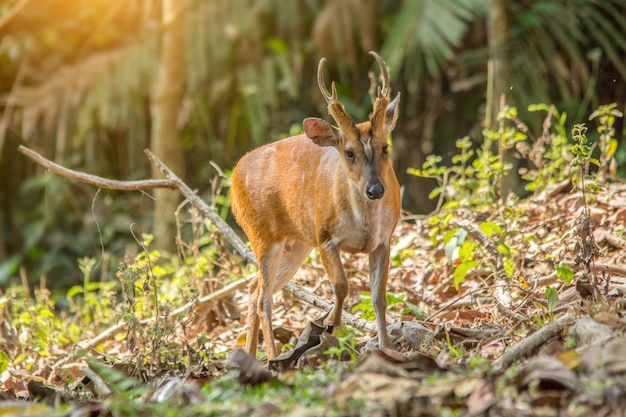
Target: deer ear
{"points": [[391, 114], [321, 132]]}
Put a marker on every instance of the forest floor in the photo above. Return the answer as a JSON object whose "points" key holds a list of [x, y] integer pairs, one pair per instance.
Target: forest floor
{"points": [[535, 327]]}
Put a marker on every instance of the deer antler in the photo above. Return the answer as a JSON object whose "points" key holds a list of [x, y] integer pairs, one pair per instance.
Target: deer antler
{"points": [[330, 98], [335, 108], [382, 101], [385, 74]]}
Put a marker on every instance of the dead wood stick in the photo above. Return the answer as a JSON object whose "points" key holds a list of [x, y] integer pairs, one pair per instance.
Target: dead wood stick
{"points": [[527, 346], [322, 303], [94, 179], [204, 208], [172, 181], [613, 269]]}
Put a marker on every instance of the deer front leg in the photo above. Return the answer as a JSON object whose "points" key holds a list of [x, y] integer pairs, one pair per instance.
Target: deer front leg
{"points": [[331, 261], [379, 271]]}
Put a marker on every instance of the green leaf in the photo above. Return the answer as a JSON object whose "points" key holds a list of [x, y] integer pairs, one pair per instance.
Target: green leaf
{"points": [[553, 298], [5, 361], [612, 148], [594, 161], [75, 290], [466, 251], [538, 107], [509, 267], [593, 187], [489, 228], [414, 171], [504, 249], [434, 193], [565, 273], [461, 272]]}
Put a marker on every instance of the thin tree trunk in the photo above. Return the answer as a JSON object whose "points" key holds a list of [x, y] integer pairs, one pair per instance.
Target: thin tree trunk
{"points": [[498, 28], [164, 107]]}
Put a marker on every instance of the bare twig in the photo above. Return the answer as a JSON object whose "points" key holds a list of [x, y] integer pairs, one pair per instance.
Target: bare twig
{"points": [[203, 208], [94, 179], [12, 12]]}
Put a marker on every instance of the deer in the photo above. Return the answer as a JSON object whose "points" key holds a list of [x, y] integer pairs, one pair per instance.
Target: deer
{"points": [[331, 188]]}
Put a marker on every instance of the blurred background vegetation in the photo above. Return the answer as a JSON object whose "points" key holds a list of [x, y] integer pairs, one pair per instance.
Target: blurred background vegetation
{"points": [[91, 83]]}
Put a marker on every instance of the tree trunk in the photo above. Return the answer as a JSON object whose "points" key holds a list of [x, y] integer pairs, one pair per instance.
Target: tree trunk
{"points": [[498, 28], [164, 108]]}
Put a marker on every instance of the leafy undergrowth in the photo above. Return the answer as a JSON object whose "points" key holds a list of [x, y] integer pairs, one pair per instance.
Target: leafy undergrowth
{"points": [[498, 308]]}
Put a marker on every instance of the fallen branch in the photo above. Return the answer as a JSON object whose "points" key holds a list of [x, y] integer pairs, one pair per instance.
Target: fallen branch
{"points": [[172, 181], [93, 179], [322, 303], [531, 343]]}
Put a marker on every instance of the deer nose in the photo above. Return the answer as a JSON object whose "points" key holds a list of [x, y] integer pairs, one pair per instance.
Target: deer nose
{"points": [[375, 191]]}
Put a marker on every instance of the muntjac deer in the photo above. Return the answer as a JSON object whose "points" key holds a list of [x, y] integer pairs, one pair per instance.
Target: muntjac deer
{"points": [[331, 188]]}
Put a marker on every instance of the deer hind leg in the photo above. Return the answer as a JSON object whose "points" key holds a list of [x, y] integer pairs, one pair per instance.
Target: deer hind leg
{"points": [[260, 299], [294, 254], [252, 335]]}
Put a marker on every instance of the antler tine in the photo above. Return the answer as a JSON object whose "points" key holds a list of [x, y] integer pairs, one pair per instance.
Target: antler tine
{"points": [[320, 83], [384, 91]]}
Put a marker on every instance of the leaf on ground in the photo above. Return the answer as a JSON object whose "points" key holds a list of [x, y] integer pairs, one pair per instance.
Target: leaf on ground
{"points": [[481, 398], [309, 339], [251, 372], [547, 373]]}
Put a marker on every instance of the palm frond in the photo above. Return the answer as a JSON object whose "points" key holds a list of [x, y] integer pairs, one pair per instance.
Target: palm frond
{"points": [[425, 34]]}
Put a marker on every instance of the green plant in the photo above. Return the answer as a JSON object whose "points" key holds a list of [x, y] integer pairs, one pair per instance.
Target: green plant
{"points": [[552, 296], [582, 158], [550, 153], [456, 184], [97, 305], [474, 180], [491, 168], [36, 327], [347, 345], [606, 115], [461, 252], [394, 300], [142, 284], [564, 273]]}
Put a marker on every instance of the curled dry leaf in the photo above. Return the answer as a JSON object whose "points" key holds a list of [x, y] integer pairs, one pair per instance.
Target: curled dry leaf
{"points": [[310, 338], [251, 372], [547, 374]]}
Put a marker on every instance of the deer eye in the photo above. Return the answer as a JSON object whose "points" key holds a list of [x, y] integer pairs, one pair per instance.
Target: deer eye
{"points": [[385, 149], [349, 155]]}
